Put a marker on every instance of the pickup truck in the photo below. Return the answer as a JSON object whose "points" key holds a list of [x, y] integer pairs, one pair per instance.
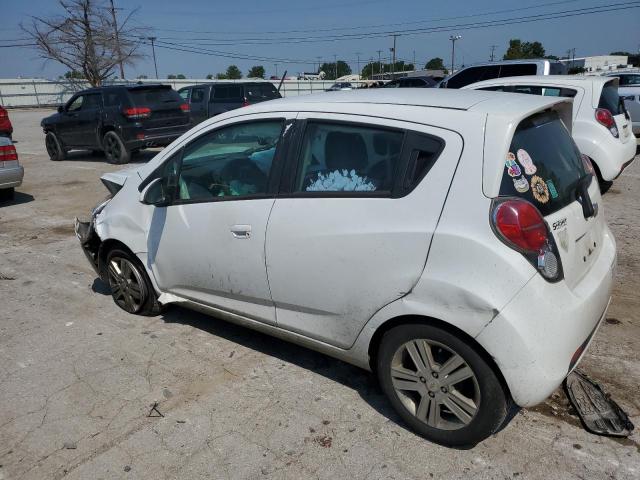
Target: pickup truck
{"points": [[209, 99]]}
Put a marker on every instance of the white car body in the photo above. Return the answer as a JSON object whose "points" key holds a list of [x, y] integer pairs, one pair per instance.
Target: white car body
{"points": [[611, 154], [332, 273]]}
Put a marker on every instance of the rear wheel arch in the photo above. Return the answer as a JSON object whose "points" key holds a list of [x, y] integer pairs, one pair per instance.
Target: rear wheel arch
{"points": [[106, 128], [374, 344]]}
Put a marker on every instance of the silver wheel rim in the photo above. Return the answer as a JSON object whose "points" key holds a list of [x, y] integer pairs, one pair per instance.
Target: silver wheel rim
{"points": [[127, 287], [435, 384]]}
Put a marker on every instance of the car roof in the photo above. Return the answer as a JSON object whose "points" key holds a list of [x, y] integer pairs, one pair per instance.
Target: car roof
{"points": [[575, 80], [479, 101]]}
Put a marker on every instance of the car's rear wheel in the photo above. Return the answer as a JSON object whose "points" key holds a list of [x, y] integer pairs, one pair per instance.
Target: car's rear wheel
{"points": [[440, 385], [54, 147], [6, 194], [114, 149], [130, 286]]}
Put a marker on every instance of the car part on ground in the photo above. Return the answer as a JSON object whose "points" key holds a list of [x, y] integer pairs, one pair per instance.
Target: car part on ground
{"points": [[599, 413], [305, 218], [11, 172]]}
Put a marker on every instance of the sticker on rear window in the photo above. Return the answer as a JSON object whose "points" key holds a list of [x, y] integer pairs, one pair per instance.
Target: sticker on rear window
{"points": [[539, 189], [552, 189], [513, 169], [521, 184], [527, 162]]}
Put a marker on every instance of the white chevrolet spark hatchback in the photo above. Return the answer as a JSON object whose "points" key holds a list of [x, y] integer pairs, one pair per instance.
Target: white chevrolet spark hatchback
{"points": [[452, 242]]}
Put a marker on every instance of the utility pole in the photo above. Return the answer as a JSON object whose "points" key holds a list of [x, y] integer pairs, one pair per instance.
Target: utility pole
{"points": [[493, 50], [117, 38], [393, 61], [414, 60], [319, 59], [153, 49], [379, 64], [335, 66], [276, 70], [358, 54], [453, 39]]}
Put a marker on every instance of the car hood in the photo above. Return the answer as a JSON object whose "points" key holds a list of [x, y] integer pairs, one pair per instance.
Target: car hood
{"points": [[50, 119]]}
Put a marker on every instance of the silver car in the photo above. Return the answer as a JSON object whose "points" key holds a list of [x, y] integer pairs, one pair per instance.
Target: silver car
{"points": [[11, 172]]}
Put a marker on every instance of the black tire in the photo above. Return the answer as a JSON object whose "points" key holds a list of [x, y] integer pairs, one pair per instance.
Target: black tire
{"points": [[7, 194], [130, 272], [490, 404], [114, 149], [54, 147]]}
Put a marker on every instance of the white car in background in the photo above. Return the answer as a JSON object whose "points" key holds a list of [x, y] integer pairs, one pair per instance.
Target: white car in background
{"points": [[629, 90], [449, 241], [601, 124], [11, 172]]}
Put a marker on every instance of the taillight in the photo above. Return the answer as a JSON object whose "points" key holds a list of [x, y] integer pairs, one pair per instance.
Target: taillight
{"points": [[185, 108], [245, 103], [8, 153], [3, 113], [604, 117], [520, 225], [588, 166], [135, 113]]}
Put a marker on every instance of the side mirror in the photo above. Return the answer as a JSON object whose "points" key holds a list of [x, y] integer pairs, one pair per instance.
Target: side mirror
{"points": [[156, 193], [61, 109]]}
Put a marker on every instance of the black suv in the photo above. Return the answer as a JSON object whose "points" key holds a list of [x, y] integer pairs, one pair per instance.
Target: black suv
{"points": [[209, 99], [411, 82], [118, 120]]}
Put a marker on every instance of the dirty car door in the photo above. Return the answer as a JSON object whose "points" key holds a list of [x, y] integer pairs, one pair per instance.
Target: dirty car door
{"points": [[354, 232], [208, 246]]}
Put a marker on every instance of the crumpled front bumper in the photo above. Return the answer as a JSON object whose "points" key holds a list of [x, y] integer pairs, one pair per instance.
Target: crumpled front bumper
{"points": [[89, 241]]}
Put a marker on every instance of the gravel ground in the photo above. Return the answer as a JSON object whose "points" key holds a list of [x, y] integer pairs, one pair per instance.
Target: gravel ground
{"points": [[78, 376]]}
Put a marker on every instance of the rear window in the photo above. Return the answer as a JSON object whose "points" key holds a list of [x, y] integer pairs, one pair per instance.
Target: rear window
{"points": [[518, 69], [630, 79], [610, 100], [543, 164], [154, 96], [471, 75], [228, 93], [261, 92]]}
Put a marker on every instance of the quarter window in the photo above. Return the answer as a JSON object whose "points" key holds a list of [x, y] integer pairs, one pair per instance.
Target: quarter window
{"points": [[348, 158], [230, 162]]}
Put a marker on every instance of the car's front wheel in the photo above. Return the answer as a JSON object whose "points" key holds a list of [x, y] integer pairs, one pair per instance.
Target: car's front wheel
{"points": [[130, 286], [440, 385], [54, 147], [114, 149]]}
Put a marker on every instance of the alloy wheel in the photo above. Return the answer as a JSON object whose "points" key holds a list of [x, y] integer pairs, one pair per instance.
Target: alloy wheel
{"points": [[127, 287], [112, 147], [435, 384], [52, 147]]}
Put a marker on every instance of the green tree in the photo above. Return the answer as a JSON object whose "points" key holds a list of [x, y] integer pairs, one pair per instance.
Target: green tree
{"points": [[74, 75], [436, 64], [257, 71], [519, 49], [329, 69], [141, 77], [209, 76], [173, 76], [233, 72], [221, 76]]}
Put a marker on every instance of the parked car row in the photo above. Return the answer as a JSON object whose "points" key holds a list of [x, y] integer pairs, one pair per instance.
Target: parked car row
{"points": [[449, 241]]}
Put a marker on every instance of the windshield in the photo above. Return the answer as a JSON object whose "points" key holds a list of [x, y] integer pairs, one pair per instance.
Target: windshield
{"points": [[543, 164]]}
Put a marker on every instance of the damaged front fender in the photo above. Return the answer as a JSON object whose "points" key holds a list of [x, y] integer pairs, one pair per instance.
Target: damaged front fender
{"points": [[90, 242]]}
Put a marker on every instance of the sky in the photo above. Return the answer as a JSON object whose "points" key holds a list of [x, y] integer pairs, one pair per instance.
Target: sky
{"points": [[295, 35]]}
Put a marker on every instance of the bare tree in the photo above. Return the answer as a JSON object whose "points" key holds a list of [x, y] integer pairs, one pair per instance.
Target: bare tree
{"points": [[86, 38]]}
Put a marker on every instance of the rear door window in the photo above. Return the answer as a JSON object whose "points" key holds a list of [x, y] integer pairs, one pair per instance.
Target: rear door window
{"points": [[231, 93], [543, 164], [197, 95], [610, 100], [340, 157]]}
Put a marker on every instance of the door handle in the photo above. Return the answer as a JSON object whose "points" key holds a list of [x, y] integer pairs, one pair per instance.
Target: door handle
{"points": [[241, 231]]}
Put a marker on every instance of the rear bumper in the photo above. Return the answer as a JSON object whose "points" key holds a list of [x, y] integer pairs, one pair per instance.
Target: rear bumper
{"points": [[156, 137], [11, 177], [544, 331]]}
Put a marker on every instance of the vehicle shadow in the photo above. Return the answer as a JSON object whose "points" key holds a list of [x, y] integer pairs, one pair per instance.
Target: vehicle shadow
{"points": [[18, 199], [363, 382], [87, 156]]}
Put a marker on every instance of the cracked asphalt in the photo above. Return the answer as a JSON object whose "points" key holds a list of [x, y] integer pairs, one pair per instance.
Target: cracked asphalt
{"points": [[78, 376]]}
